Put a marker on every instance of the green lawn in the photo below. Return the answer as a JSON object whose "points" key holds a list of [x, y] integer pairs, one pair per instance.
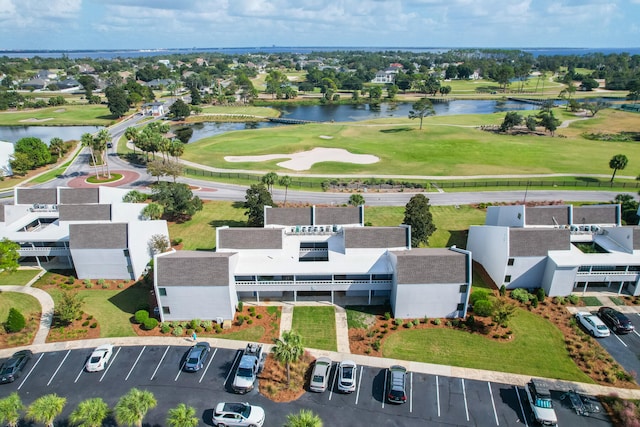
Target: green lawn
{"points": [[445, 146], [25, 304], [538, 349], [65, 115], [253, 334], [18, 277], [111, 308], [591, 301], [317, 326]]}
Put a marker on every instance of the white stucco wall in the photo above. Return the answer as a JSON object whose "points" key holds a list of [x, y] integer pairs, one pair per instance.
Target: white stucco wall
{"points": [[6, 154], [197, 302], [622, 236], [506, 216], [489, 246], [558, 281], [526, 272], [100, 264], [139, 235], [432, 300]]}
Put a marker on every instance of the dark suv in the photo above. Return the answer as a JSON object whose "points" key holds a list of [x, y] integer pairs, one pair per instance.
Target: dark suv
{"points": [[396, 384], [617, 321], [12, 368], [197, 356]]}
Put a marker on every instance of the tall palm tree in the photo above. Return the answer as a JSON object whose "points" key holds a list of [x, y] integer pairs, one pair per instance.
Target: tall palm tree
{"points": [[285, 181], [269, 179], [10, 408], [304, 418], [131, 134], [133, 406], [101, 140], [87, 141], [288, 349], [90, 413], [46, 408], [182, 416], [617, 162]]}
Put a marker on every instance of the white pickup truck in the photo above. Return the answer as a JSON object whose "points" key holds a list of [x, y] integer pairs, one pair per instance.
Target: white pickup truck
{"points": [[539, 398], [251, 364]]}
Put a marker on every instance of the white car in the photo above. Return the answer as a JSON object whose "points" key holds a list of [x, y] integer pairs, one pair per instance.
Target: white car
{"points": [[320, 375], [347, 376], [593, 324], [237, 414], [99, 358]]}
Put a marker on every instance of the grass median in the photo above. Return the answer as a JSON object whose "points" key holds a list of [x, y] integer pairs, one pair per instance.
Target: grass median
{"points": [[317, 326]]}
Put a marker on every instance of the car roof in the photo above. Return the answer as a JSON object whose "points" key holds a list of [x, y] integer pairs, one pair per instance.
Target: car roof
{"points": [[541, 387]]}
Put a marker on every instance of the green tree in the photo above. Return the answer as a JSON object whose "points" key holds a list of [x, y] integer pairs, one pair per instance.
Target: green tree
{"points": [[21, 163], [131, 134], [179, 109], [421, 109], [595, 107], [502, 312], [56, 146], [629, 208], [511, 119], [288, 349], [375, 93], [134, 196], [10, 408], [100, 142], [87, 140], [9, 255], [89, 84], [392, 91], [531, 123], [177, 199], [153, 211], [68, 308], [256, 198], [15, 321], [36, 149], [304, 418], [196, 98], [568, 93], [90, 413], [618, 162], [417, 214], [159, 243], [46, 408], [285, 181], [547, 120], [117, 100], [356, 200], [269, 179], [182, 416], [133, 407]]}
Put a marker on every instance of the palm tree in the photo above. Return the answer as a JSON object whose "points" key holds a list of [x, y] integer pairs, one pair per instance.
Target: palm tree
{"points": [[288, 349], [46, 408], [619, 161], [153, 211], [90, 413], [304, 418], [10, 408], [87, 141], [285, 181], [131, 134], [100, 143], [133, 406], [182, 416], [57, 146], [269, 179]]}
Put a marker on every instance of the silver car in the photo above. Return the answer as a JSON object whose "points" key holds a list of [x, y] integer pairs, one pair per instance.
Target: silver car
{"points": [[347, 376], [237, 414], [320, 375], [593, 324]]}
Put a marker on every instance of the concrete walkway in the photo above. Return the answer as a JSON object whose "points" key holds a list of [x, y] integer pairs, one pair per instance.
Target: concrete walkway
{"points": [[47, 309]]}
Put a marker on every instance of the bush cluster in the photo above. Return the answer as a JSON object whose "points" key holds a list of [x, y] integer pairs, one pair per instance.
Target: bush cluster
{"points": [[16, 321], [140, 316], [149, 323], [521, 294]]}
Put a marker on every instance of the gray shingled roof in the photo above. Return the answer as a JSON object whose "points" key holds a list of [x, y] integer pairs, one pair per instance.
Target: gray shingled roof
{"points": [[544, 215], [602, 214], [636, 238], [375, 237], [288, 216], [2, 213], [425, 265], [193, 268], [29, 196], [250, 238], [76, 196], [98, 236], [338, 216], [526, 242], [85, 212]]}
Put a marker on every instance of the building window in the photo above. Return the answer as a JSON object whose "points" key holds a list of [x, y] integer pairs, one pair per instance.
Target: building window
{"points": [[510, 262], [166, 310], [460, 307], [507, 278], [126, 253], [464, 289], [162, 292]]}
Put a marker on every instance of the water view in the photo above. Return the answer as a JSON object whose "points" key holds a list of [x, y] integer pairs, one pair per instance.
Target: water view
{"points": [[45, 133]]}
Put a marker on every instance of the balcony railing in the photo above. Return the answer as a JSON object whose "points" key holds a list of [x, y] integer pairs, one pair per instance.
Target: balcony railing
{"points": [[44, 251]]}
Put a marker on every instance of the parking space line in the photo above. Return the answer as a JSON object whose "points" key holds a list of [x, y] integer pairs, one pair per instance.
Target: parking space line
{"points": [[333, 382], [59, 366], [135, 363], [359, 383], [79, 373], [410, 392], [235, 359], [180, 370], [30, 371], [636, 332], [464, 394], [619, 339], [493, 403], [438, 395], [110, 363], [159, 363], [215, 350], [524, 416], [384, 388]]}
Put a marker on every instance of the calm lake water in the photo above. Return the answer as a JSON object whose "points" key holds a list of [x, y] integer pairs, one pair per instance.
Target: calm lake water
{"points": [[45, 133]]}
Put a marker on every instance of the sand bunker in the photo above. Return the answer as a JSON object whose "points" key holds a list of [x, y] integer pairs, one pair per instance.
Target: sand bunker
{"points": [[306, 159], [32, 120]]}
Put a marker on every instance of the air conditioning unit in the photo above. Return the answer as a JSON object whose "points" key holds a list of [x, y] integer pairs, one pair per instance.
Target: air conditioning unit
{"points": [[219, 320]]}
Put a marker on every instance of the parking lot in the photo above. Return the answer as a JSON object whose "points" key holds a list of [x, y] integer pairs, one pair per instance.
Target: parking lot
{"points": [[625, 349], [432, 400]]}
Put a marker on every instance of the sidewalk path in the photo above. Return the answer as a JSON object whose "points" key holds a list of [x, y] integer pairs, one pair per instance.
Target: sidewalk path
{"points": [[46, 302]]}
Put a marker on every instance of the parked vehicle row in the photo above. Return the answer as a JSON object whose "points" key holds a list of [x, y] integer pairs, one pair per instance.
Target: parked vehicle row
{"points": [[13, 367], [606, 316]]}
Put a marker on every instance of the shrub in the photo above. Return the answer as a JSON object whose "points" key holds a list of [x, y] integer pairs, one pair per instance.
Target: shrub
{"points": [[479, 295], [178, 331], [471, 321], [86, 282], [120, 285], [573, 299], [15, 321], [86, 323], [194, 323], [520, 294], [416, 322], [448, 324], [455, 322], [105, 286], [436, 321], [483, 308], [408, 325], [240, 320], [259, 316], [89, 317], [534, 302], [252, 309], [387, 316], [94, 325], [240, 306], [559, 300], [540, 294], [100, 282], [141, 316], [398, 322], [250, 321], [165, 329], [425, 320], [208, 328], [503, 290], [70, 280], [206, 324], [376, 345], [150, 323], [217, 328]]}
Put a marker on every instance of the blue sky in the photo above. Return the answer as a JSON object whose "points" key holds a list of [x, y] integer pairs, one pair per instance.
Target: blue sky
{"points": [[147, 24]]}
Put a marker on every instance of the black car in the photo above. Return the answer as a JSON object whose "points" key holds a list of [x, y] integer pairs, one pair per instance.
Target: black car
{"points": [[617, 321], [396, 384], [197, 356], [12, 368]]}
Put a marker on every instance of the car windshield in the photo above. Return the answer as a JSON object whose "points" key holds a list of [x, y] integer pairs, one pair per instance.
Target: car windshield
{"points": [[347, 372], [96, 359], [6, 370], [192, 360], [396, 393], [245, 372], [602, 327]]}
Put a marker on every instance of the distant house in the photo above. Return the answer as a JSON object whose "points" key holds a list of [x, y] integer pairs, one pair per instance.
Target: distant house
{"points": [[154, 109], [6, 153], [34, 84], [68, 84], [387, 75], [158, 83]]}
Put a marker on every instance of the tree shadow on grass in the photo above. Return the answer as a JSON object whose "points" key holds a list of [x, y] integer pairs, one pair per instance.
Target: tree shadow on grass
{"points": [[586, 179], [132, 299], [458, 238], [396, 130], [231, 223]]}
